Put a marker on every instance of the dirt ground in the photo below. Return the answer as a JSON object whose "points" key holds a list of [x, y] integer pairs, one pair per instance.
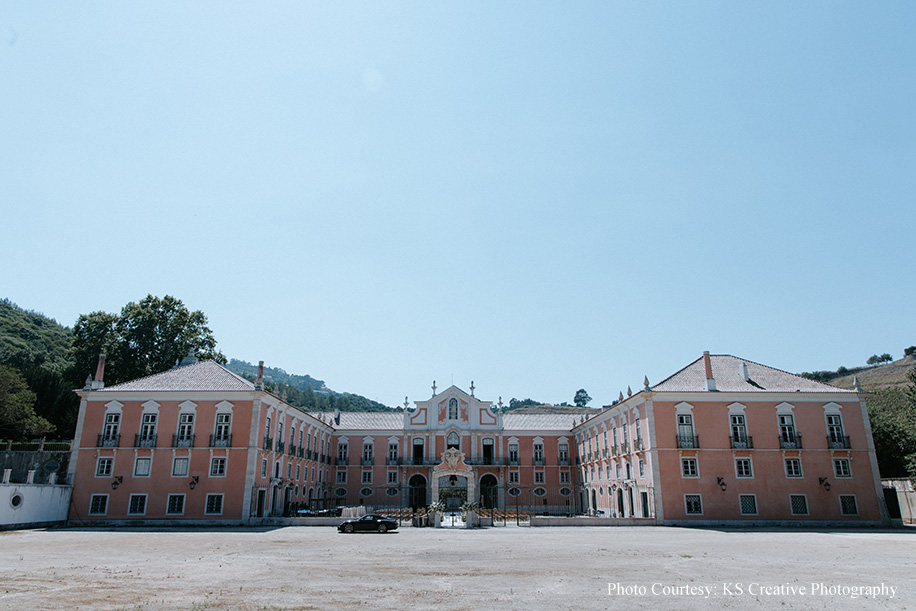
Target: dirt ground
{"points": [[425, 568]]}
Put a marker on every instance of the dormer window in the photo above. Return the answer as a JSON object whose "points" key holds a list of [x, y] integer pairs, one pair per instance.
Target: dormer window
{"points": [[453, 409]]}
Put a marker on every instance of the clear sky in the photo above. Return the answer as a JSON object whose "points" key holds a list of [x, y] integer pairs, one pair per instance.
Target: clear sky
{"points": [[537, 196]]}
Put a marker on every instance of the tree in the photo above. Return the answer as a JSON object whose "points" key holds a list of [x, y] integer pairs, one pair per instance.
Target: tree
{"points": [[909, 351], [872, 360], [18, 419], [148, 337], [581, 399], [892, 413], [885, 358]]}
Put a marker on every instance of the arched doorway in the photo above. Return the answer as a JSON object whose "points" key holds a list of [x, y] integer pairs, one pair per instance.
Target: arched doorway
{"points": [[621, 511], [488, 488], [453, 491], [594, 501], [417, 491]]}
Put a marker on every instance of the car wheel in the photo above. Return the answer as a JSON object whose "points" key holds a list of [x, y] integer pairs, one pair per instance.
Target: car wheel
{"points": [[382, 528], [348, 528]]}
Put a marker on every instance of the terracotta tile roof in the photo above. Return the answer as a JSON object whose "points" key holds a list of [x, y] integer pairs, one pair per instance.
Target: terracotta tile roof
{"points": [[539, 422], [365, 421], [205, 375], [726, 369]]}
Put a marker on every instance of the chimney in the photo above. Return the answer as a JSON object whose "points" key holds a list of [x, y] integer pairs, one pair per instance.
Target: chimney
{"points": [[259, 382], [98, 382], [337, 416], [710, 381], [742, 369]]}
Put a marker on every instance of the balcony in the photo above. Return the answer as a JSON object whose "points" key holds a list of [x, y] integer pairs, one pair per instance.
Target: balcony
{"points": [[614, 451], [637, 445], [108, 441], [144, 441], [342, 460], [366, 462], [564, 462], [604, 452], [325, 459], [741, 442], [538, 462], [391, 461], [300, 452], [624, 447], [292, 450], [182, 441], [485, 461], [268, 443], [280, 446], [838, 442], [688, 442], [790, 441], [220, 441]]}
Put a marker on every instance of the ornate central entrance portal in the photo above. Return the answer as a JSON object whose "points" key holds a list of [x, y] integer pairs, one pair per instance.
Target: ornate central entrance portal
{"points": [[453, 480]]}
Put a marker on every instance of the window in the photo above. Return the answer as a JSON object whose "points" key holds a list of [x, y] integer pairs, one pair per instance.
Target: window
{"points": [[513, 452], [539, 452], [617, 472], [223, 427], [137, 505], [841, 467], [180, 466], [793, 467], [365, 491], [739, 431], [367, 477], [685, 436], [452, 441], [112, 425], [452, 409], [513, 491], [564, 477], [267, 427], [367, 452], [214, 504], [799, 504], [743, 467], [341, 477], [607, 469], [538, 477], [98, 505], [289, 471], [341, 492], [835, 436], [392, 477], [185, 425], [298, 471], [263, 467], [217, 467], [848, 506], [392, 453], [148, 426], [642, 468], [748, 504], [539, 491], [513, 477], [103, 467], [693, 504], [342, 449], [175, 504], [787, 435], [688, 467], [142, 467]]}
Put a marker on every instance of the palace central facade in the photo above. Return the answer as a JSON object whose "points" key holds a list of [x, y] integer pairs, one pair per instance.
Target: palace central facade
{"points": [[723, 440]]}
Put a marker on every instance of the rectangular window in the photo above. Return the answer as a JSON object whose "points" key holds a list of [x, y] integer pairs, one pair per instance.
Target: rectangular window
{"points": [[564, 451], [175, 505], [263, 467], [342, 453], [103, 467], [607, 469], [217, 467], [564, 477], [513, 477], [835, 430], [393, 452], [392, 477], [618, 470], [298, 467], [148, 427], [98, 505], [341, 477], [787, 434], [367, 477], [185, 425], [841, 467], [743, 467], [793, 467], [289, 471], [748, 504], [693, 504], [137, 505], [848, 505], [180, 466], [223, 426], [799, 504], [642, 468], [539, 452], [688, 467], [538, 477], [112, 425], [513, 452], [367, 452], [142, 466], [214, 504]]}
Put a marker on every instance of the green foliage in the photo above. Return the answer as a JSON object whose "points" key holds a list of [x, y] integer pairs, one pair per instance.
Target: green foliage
{"points": [[892, 412], [909, 351], [516, 403], [18, 419], [275, 375], [877, 360], [581, 399], [148, 337], [30, 337]]}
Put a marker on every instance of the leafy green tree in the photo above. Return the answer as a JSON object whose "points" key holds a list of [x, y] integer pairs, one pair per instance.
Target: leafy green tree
{"points": [[18, 419], [872, 360], [892, 412], [147, 337], [581, 399]]}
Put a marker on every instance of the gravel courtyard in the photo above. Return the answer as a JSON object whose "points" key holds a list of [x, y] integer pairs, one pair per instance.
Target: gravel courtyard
{"points": [[424, 568]]}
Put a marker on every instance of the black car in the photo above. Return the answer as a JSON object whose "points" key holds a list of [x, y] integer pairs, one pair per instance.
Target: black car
{"points": [[369, 523]]}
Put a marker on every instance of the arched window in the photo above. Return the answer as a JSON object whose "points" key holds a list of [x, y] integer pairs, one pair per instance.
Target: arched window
{"points": [[452, 441], [453, 409]]}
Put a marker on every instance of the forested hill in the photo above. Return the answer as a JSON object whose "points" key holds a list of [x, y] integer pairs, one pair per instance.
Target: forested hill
{"points": [[305, 391], [31, 337]]}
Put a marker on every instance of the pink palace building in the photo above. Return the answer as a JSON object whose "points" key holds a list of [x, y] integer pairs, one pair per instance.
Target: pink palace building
{"points": [[724, 440]]}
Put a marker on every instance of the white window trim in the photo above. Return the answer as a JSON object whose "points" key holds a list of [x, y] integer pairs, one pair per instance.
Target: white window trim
{"points": [[702, 508], [137, 461], [750, 462], [756, 505], [221, 504], [145, 502]]}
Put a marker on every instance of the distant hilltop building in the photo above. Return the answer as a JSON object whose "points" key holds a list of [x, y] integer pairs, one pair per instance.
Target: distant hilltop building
{"points": [[722, 441]]}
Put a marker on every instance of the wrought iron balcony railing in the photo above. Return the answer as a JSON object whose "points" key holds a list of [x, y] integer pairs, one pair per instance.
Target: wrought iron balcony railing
{"points": [[742, 442], [220, 441], [688, 441], [108, 441]]}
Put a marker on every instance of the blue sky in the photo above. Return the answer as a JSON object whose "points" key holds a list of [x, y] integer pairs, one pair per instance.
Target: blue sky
{"points": [[537, 196]]}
